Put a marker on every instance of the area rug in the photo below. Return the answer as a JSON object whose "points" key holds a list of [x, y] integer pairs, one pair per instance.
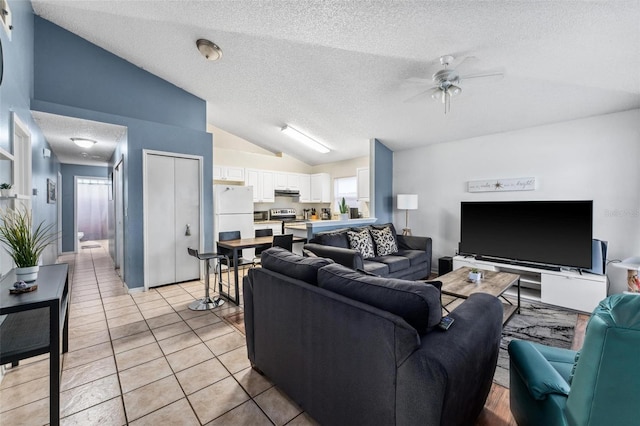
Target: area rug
{"points": [[536, 322], [91, 246]]}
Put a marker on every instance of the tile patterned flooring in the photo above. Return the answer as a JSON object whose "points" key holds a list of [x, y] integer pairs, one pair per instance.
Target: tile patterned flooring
{"points": [[145, 359]]}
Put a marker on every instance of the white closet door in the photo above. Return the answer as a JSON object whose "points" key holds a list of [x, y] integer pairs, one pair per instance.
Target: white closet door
{"points": [[187, 213], [161, 238]]}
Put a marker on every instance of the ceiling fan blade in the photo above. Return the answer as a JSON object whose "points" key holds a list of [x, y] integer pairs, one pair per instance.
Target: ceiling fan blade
{"points": [[423, 95], [418, 80], [492, 75]]}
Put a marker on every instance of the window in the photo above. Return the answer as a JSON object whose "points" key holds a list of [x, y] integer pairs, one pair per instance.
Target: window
{"points": [[346, 187]]}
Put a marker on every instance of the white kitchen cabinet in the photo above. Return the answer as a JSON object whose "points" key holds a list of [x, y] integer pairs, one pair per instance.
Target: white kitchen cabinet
{"points": [[362, 175], [288, 181], [262, 183], [320, 188], [228, 173], [305, 188]]}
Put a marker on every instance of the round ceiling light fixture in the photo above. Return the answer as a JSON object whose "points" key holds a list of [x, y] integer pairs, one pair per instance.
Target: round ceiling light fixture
{"points": [[209, 49], [83, 142]]}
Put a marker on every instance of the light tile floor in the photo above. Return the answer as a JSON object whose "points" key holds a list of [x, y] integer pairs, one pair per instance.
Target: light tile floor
{"points": [[145, 359]]}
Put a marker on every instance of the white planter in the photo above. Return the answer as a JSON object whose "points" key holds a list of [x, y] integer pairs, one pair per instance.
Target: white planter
{"points": [[475, 277], [344, 216], [27, 274], [6, 192]]}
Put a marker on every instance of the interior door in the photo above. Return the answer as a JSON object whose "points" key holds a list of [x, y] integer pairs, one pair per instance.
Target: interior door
{"points": [[161, 223], [187, 217]]}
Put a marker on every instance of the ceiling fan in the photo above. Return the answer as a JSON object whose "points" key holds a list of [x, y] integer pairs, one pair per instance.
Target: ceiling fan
{"points": [[447, 82]]}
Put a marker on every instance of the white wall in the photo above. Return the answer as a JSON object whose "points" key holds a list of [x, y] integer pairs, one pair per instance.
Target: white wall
{"points": [[595, 159]]}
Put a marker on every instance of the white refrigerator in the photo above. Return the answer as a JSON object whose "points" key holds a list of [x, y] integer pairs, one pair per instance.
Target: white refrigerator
{"points": [[233, 211]]}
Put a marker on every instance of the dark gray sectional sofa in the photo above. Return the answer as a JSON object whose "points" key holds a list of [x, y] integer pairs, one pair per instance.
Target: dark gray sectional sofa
{"points": [[412, 261], [354, 349]]}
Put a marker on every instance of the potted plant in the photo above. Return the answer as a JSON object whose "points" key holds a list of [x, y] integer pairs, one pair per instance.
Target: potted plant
{"points": [[344, 210], [475, 275], [24, 243], [5, 189]]}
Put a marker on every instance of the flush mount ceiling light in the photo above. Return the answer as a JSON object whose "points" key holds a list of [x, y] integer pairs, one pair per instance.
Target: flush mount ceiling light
{"points": [[209, 50], [83, 142], [304, 139]]}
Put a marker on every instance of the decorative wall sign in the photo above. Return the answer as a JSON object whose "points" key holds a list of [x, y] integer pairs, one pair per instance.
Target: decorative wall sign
{"points": [[502, 185]]}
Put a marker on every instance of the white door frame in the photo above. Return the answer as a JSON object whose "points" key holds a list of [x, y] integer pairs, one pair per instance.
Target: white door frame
{"points": [[59, 210], [75, 208], [118, 206], [145, 211]]}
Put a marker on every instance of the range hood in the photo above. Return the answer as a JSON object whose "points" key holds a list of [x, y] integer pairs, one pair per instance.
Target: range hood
{"points": [[287, 193]]}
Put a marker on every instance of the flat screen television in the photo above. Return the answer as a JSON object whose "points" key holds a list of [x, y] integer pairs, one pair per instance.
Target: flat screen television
{"points": [[555, 233]]}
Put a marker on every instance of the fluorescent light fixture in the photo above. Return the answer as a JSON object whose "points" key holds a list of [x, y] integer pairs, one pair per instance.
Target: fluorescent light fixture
{"points": [[84, 143], [304, 139]]}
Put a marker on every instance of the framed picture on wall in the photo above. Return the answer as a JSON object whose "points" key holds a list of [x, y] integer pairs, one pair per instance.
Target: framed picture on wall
{"points": [[51, 192]]}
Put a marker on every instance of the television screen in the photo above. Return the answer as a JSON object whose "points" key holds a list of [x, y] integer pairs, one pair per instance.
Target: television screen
{"points": [[544, 232]]}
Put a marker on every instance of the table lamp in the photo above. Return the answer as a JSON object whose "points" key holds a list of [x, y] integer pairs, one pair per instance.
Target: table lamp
{"points": [[407, 202]]}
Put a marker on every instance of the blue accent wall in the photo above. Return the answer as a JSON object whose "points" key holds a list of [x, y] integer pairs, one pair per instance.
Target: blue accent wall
{"points": [[382, 159], [70, 70], [15, 94], [67, 197], [75, 78]]}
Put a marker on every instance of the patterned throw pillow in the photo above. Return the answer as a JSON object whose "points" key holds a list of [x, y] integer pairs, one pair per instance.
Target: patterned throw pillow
{"points": [[361, 241], [385, 243]]}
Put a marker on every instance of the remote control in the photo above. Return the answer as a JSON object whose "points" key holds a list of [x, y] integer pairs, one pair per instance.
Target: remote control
{"points": [[445, 322]]}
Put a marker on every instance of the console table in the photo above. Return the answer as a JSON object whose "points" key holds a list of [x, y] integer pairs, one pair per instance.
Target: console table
{"points": [[34, 322], [568, 289]]}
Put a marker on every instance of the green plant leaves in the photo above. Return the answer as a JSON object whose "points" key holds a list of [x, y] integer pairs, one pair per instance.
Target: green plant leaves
{"points": [[23, 243]]}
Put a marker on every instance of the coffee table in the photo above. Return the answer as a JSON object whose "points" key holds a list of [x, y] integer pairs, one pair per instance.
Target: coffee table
{"points": [[456, 284]]}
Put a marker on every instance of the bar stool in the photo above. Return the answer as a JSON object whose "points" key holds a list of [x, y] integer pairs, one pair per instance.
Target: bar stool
{"points": [[207, 302]]}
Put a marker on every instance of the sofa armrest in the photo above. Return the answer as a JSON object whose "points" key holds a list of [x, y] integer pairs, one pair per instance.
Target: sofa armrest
{"points": [[350, 258], [410, 242], [535, 371], [448, 379]]}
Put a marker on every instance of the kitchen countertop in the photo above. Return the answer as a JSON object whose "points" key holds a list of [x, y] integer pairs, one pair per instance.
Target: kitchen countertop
{"points": [[266, 222], [314, 226]]}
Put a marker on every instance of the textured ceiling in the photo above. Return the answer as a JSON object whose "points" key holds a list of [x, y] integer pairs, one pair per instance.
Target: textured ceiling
{"points": [[58, 130], [338, 70]]}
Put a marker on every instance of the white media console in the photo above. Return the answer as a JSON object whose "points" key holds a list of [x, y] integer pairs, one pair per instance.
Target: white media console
{"points": [[568, 289]]}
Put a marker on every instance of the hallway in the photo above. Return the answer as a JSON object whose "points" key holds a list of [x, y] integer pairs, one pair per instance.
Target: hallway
{"points": [[144, 358]]}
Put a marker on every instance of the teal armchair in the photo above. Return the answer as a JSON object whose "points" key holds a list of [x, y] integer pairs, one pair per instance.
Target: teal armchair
{"points": [[597, 386]]}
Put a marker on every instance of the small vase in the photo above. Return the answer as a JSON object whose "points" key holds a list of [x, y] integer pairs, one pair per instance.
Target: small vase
{"points": [[28, 274], [6, 192], [344, 216]]}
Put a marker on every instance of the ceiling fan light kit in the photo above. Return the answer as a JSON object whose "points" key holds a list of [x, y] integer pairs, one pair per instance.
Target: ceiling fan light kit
{"points": [[447, 82]]}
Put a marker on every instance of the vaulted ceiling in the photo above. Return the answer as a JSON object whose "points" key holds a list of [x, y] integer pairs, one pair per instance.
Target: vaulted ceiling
{"points": [[340, 70]]}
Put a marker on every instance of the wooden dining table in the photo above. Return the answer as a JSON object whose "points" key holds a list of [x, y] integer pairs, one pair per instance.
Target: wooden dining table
{"points": [[246, 243]]}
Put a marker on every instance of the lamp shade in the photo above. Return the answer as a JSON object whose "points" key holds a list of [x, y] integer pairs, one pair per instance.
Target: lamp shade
{"points": [[407, 201]]}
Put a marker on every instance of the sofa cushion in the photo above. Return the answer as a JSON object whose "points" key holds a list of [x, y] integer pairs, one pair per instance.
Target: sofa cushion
{"points": [[415, 257], [375, 268], [336, 238], [395, 263], [417, 303], [384, 240], [360, 239], [284, 262]]}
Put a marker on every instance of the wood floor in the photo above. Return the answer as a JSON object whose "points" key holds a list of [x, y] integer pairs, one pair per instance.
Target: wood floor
{"points": [[496, 410]]}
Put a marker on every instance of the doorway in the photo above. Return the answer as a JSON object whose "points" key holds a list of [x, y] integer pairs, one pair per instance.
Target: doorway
{"points": [[91, 212], [118, 192]]}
